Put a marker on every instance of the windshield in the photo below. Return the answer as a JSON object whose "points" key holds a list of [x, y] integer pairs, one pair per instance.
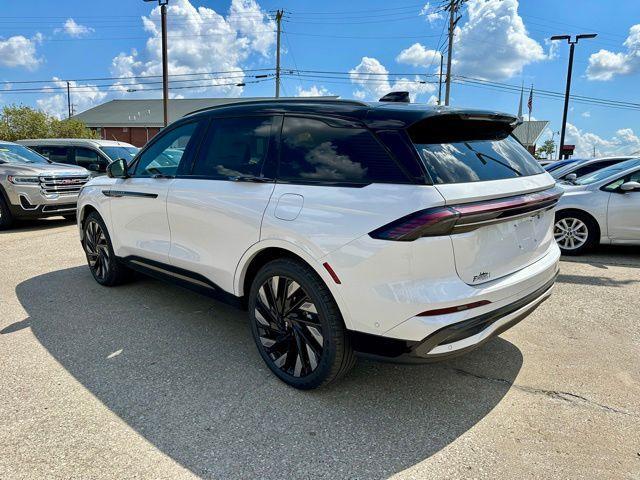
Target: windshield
{"points": [[10, 153], [114, 153], [607, 172]]}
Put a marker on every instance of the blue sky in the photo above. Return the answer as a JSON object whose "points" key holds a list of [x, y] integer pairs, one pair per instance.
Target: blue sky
{"points": [[385, 45]]}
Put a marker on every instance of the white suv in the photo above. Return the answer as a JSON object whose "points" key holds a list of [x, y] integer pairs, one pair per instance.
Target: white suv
{"points": [[392, 230]]}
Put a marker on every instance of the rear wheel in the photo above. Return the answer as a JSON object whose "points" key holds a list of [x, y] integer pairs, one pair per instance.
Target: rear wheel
{"points": [[106, 269], [297, 325], [575, 232], [6, 219]]}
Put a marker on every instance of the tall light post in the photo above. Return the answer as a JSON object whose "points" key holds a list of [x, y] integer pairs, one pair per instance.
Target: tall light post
{"points": [[572, 44], [165, 66]]}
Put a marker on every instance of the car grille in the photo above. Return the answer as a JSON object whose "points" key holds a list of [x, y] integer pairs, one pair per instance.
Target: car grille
{"points": [[67, 185]]}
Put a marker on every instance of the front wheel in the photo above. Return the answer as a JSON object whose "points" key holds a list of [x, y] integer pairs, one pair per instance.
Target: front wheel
{"points": [[6, 219], [574, 232], [103, 264], [297, 325]]}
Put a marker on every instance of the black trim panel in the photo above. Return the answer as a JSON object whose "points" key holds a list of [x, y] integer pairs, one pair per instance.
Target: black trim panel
{"points": [[181, 277], [125, 193]]}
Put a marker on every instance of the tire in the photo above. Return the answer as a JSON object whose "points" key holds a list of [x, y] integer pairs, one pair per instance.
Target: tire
{"points": [[105, 267], [575, 232], [308, 347], [6, 219]]}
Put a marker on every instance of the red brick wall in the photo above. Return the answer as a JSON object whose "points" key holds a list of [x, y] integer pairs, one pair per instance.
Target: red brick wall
{"points": [[137, 136]]}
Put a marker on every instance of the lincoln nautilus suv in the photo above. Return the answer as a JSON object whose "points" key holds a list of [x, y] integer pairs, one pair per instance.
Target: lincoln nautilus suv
{"points": [[393, 230]]}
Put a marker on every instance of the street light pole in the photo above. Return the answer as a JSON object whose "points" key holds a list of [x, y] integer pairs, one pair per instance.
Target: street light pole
{"points": [[165, 62], [572, 44]]}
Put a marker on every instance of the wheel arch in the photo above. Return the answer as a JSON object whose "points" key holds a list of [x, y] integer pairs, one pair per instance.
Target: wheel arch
{"points": [[263, 252], [584, 213]]}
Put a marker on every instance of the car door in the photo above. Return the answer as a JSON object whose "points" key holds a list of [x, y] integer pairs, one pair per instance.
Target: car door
{"points": [[138, 204], [215, 211], [623, 213]]}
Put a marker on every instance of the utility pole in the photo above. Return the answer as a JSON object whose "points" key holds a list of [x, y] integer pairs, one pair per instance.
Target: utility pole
{"points": [[440, 79], [165, 62], [69, 98], [279, 14], [452, 6], [572, 44]]}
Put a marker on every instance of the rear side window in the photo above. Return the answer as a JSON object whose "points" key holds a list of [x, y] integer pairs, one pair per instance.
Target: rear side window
{"points": [[234, 147], [461, 151], [314, 152], [57, 154]]}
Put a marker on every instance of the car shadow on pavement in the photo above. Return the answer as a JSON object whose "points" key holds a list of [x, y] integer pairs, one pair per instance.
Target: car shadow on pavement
{"points": [[182, 370], [37, 224]]}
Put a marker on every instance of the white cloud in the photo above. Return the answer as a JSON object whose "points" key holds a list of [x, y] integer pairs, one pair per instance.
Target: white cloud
{"points": [[417, 55], [73, 29], [431, 15], [203, 41], [493, 43], [20, 51], [83, 97], [313, 91], [586, 114], [604, 65], [623, 142], [373, 79]]}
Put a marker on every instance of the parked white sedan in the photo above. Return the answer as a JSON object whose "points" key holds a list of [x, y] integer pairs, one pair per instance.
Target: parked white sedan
{"points": [[602, 207]]}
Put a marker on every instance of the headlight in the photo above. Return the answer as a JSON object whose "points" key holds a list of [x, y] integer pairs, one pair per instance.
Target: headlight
{"points": [[19, 180]]}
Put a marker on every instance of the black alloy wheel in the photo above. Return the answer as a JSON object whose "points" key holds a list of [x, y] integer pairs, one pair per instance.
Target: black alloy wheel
{"points": [[288, 325], [297, 325], [95, 244]]}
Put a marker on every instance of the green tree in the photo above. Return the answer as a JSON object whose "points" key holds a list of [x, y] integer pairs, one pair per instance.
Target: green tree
{"points": [[18, 122], [546, 150]]}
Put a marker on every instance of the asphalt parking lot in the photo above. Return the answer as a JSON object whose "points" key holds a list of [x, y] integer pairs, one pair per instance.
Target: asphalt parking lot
{"points": [[152, 381]]}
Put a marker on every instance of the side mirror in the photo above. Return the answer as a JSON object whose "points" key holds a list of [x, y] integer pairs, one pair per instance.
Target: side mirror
{"points": [[630, 186], [118, 169], [572, 177]]}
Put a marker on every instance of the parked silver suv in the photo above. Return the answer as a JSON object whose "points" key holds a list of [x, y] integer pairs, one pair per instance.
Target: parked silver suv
{"points": [[33, 187]]}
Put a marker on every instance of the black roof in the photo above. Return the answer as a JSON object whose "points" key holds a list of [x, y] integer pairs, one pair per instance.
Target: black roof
{"points": [[374, 114]]}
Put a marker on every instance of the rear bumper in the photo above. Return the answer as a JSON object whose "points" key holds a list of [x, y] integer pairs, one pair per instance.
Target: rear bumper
{"points": [[455, 339]]}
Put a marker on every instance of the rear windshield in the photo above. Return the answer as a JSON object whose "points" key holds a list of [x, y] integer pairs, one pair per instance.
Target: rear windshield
{"points": [[461, 151]]}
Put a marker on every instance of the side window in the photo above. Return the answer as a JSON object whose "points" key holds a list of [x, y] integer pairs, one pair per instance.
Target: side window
{"points": [[234, 147], [316, 152], [86, 157], [164, 155], [57, 154], [634, 177], [591, 168]]}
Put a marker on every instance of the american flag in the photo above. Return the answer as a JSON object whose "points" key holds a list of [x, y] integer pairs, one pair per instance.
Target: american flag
{"points": [[530, 102]]}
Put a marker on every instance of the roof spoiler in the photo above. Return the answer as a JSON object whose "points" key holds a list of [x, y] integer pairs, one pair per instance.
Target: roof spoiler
{"points": [[397, 97]]}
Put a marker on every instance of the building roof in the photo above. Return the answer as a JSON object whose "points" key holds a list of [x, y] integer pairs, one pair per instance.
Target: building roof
{"points": [[146, 112], [529, 132]]}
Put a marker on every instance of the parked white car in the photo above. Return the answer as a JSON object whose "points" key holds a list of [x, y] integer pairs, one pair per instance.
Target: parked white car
{"points": [[602, 207], [583, 167], [396, 230], [92, 154]]}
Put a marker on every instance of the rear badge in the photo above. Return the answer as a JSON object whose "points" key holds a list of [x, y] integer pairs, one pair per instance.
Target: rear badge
{"points": [[481, 276]]}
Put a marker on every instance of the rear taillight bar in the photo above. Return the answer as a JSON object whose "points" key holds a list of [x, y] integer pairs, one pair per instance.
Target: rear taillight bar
{"points": [[465, 217]]}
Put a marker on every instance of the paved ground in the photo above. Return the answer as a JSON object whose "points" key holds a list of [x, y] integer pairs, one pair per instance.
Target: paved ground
{"points": [[151, 381]]}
